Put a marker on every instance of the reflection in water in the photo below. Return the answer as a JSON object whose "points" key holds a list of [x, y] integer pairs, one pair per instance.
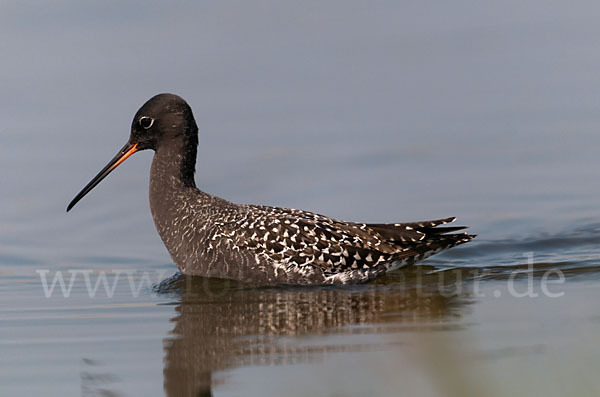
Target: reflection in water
{"points": [[222, 325], [95, 381]]}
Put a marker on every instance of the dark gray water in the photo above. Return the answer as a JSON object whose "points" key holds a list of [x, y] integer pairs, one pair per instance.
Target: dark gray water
{"points": [[367, 111]]}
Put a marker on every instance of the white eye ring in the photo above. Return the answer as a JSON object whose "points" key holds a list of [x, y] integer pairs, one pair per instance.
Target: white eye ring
{"points": [[146, 122]]}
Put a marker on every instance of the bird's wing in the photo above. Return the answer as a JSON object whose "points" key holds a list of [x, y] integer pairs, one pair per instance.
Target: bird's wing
{"points": [[301, 238]]}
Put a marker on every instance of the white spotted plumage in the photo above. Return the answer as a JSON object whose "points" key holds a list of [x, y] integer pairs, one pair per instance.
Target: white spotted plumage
{"points": [[280, 245]]}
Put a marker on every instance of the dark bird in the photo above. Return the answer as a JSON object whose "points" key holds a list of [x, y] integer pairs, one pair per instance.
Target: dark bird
{"points": [[209, 236]]}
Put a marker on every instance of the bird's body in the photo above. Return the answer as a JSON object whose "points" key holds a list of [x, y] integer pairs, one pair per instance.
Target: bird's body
{"points": [[212, 237]]}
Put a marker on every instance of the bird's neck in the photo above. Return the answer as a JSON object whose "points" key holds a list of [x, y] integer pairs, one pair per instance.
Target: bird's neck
{"points": [[172, 186], [174, 164], [178, 207]]}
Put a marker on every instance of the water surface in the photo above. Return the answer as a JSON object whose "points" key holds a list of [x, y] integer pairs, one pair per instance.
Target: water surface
{"points": [[379, 112]]}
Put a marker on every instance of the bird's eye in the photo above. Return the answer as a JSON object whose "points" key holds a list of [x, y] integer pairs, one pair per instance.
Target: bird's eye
{"points": [[146, 122]]}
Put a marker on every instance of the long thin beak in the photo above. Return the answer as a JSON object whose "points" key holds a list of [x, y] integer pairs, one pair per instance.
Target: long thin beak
{"points": [[125, 152]]}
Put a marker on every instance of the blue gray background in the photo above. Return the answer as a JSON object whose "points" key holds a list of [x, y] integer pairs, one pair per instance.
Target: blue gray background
{"points": [[377, 111]]}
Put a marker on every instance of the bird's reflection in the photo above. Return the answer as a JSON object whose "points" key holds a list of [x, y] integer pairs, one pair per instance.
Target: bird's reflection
{"points": [[221, 325]]}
